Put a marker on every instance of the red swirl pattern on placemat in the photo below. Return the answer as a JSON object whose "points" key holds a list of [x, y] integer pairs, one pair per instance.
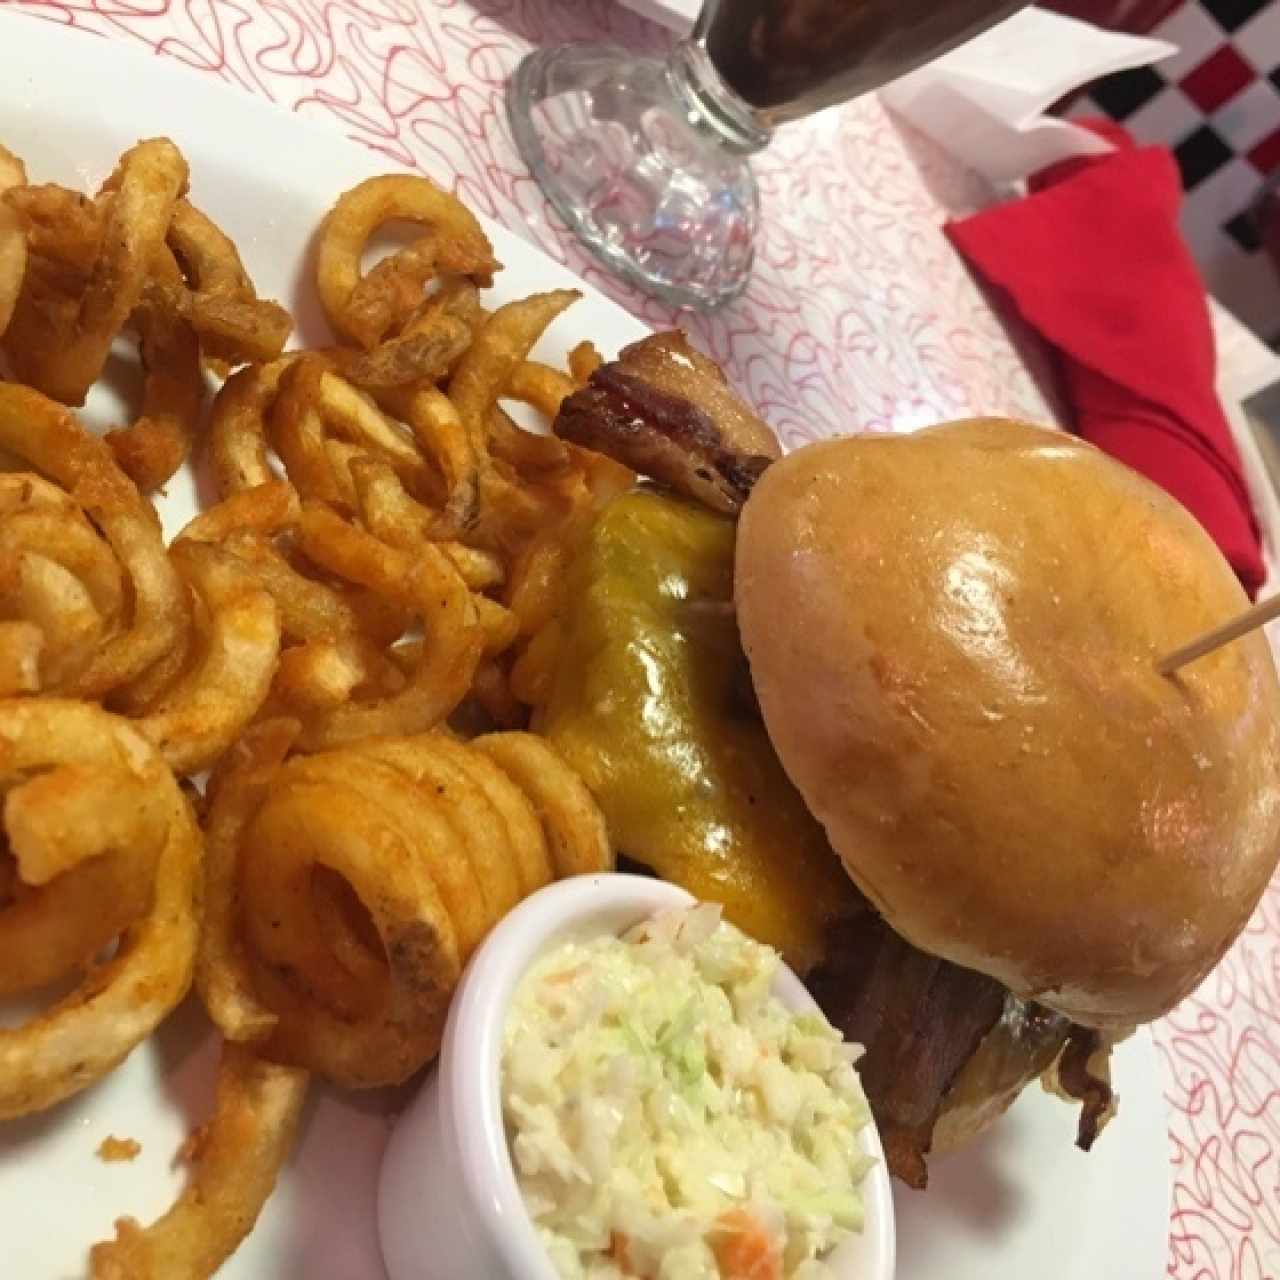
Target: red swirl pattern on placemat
{"points": [[858, 316], [1221, 1050]]}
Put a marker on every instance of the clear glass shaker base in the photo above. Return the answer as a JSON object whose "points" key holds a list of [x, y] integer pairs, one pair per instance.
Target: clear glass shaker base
{"points": [[631, 165]]}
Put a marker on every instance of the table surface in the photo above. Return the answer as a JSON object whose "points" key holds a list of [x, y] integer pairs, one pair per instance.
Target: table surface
{"points": [[859, 316]]}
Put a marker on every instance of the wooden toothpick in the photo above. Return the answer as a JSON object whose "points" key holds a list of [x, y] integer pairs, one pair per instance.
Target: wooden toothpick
{"points": [[1261, 613]]}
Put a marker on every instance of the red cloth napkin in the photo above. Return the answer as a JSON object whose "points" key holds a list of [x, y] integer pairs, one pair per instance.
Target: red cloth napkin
{"points": [[1094, 261]]}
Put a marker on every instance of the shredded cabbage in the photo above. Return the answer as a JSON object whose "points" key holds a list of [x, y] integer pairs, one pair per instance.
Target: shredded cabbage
{"points": [[668, 1117]]}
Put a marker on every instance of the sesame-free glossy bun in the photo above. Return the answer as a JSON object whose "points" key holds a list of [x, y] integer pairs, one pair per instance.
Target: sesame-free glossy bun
{"points": [[952, 635]]}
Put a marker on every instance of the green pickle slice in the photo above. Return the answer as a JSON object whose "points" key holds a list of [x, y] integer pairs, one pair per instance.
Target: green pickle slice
{"points": [[651, 703]]}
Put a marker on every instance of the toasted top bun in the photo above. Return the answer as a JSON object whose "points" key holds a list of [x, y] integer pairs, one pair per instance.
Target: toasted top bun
{"points": [[952, 636]]}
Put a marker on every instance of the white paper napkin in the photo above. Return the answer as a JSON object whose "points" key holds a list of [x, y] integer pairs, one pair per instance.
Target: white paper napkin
{"points": [[679, 15], [985, 101]]}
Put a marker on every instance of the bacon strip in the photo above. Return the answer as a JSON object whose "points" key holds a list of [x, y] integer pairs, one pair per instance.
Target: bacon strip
{"points": [[924, 1020], [920, 1019], [666, 411], [1082, 1073]]}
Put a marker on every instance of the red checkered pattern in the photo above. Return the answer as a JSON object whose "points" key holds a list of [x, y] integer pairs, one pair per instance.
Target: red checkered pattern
{"points": [[1265, 155], [1216, 103], [1217, 79]]}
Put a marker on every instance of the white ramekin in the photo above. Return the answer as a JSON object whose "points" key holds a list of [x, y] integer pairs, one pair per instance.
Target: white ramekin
{"points": [[449, 1207]]}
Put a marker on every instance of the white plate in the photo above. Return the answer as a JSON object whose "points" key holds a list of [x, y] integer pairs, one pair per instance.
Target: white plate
{"points": [[1022, 1204]]}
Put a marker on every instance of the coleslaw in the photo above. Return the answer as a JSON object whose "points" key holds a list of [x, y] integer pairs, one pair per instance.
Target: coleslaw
{"points": [[669, 1117]]}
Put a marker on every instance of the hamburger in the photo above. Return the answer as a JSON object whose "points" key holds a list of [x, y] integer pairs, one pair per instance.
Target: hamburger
{"points": [[893, 700]]}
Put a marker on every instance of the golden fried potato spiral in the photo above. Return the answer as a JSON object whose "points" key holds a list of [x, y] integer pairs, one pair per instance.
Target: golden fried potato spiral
{"points": [[104, 623], [58, 575], [347, 889], [101, 845]]}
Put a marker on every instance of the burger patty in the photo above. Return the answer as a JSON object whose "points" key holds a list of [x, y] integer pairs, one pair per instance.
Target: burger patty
{"points": [[938, 1037]]}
